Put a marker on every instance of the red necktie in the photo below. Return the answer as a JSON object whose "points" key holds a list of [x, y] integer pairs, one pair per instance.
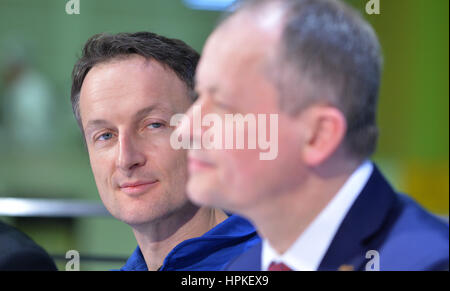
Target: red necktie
{"points": [[278, 267]]}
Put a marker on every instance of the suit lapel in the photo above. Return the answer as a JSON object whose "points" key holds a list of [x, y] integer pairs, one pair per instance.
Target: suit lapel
{"points": [[360, 229]]}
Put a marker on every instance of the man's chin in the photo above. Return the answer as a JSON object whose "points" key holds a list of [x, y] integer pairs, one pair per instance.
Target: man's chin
{"points": [[201, 194], [135, 221], [133, 217]]}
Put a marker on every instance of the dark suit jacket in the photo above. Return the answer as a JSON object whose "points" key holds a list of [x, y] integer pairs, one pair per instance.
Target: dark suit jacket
{"points": [[19, 252], [404, 234]]}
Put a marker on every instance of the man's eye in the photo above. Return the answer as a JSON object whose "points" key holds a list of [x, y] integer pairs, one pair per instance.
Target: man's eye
{"points": [[105, 136], [155, 125]]}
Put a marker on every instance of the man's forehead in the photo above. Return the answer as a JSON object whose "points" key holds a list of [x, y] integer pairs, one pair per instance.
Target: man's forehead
{"points": [[136, 114], [247, 33], [134, 64], [267, 19], [235, 50], [130, 85]]}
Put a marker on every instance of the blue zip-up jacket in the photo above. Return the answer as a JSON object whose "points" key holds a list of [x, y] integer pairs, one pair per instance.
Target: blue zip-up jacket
{"points": [[209, 252]]}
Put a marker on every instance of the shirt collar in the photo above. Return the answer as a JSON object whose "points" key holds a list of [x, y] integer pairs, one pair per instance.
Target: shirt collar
{"points": [[310, 247], [135, 262], [234, 228]]}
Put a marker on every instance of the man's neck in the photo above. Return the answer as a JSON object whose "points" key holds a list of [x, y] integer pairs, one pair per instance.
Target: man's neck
{"points": [[158, 238], [286, 216]]}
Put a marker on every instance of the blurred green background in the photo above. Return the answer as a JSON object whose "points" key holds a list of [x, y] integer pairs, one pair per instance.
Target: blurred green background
{"points": [[42, 153]]}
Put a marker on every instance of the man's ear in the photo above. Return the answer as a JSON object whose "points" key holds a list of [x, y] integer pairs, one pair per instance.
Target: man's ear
{"points": [[326, 128]]}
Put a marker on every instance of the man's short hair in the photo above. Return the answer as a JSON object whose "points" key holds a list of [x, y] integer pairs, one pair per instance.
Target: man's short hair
{"points": [[331, 46], [101, 48]]}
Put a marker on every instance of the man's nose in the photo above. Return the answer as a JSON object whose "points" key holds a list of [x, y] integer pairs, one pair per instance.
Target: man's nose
{"points": [[130, 155], [194, 127], [191, 125]]}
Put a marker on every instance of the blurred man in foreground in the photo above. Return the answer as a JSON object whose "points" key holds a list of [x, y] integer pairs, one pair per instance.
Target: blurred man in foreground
{"points": [[320, 204], [125, 89]]}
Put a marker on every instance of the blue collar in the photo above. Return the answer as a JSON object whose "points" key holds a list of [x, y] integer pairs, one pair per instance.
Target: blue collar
{"points": [[211, 251]]}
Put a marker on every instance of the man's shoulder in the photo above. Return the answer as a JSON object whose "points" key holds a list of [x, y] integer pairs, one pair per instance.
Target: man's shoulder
{"points": [[19, 252], [250, 260], [407, 236], [420, 219], [417, 240]]}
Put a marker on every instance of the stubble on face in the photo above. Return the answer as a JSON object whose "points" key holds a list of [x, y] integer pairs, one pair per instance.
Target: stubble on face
{"points": [[136, 148]]}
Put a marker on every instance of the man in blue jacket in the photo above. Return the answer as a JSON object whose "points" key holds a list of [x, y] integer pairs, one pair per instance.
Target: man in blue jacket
{"points": [[319, 203], [126, 87]]}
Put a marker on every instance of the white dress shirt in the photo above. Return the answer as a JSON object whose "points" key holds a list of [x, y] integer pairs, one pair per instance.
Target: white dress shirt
{"points": [[311, 246]]}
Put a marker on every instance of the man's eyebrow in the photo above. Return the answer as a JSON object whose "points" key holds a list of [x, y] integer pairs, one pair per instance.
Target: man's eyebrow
{"points": [[215, 95], [96, 123], [211, 90], [147, 110], [142, 112]]}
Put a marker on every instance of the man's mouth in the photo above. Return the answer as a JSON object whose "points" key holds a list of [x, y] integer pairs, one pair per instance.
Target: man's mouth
{"points": [[138, 187], [196, 165]]}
